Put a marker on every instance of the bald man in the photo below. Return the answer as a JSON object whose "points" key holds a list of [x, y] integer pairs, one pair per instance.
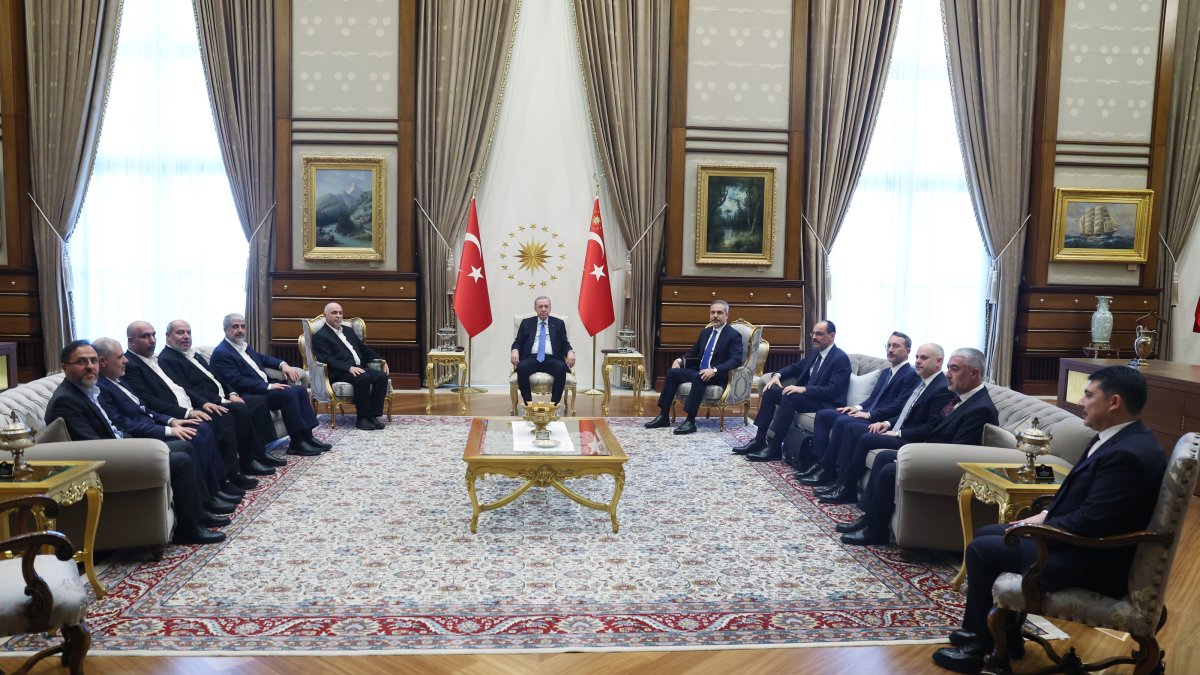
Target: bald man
{"points": [[347, 358]]}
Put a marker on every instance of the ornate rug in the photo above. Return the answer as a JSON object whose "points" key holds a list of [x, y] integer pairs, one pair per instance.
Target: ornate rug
{"points": [[367, 548]]}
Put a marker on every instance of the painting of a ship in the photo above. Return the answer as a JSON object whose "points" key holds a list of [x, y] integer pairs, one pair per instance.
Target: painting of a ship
{"points": [[1101, 224], [1096, 224]]}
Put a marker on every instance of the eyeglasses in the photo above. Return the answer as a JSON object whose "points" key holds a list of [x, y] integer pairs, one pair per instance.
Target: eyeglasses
{"points": [[84, 361]]}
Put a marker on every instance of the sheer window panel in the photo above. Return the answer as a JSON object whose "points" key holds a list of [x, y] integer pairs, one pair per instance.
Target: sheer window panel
{"points": [[158, 237], [909, 255]]}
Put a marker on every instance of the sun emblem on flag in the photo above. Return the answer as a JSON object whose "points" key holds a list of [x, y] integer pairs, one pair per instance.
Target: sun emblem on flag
{"points": [[532, 256]]}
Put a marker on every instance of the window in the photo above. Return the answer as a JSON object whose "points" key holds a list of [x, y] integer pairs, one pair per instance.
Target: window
{"points": [[158, 237]]}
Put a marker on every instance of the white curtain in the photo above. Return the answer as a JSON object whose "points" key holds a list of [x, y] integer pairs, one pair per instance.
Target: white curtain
{"points": [[158, 237], [909, 256], [539, 175]]}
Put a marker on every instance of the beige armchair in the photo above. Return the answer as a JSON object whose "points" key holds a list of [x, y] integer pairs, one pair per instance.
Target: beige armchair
{"points": [[335, 395], [542, 383], [739, 386], [1141, 613]]}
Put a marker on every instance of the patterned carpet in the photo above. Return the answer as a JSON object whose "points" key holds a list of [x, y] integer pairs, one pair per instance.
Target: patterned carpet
{"points": [[367, 548]]}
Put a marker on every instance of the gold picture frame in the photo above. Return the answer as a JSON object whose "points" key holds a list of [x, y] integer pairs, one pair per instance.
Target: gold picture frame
{"points": [[1101, 225], [735, 215], [344, 202]]}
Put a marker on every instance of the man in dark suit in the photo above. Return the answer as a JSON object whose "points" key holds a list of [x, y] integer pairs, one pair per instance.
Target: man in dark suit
{"points": [[76, 402], [822, 379], [887, 398], [717, 351], [961, 422], [918, 414], [242, 369], [1111, 491], [542, 346], [252, 420], [347, 358]]}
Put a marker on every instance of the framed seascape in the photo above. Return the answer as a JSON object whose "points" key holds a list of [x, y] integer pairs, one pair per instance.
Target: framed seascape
{"points": [[1100, 225], [344, 208], [735, 215]]}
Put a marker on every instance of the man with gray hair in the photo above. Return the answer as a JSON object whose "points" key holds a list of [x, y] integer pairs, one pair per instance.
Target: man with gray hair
{"points": [[541, 346], [717, 351], [348, 359]]}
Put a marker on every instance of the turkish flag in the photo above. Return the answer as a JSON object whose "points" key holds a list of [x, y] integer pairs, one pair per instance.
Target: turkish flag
{"points": [[595, 294], [471, 302], [1196, 326]]}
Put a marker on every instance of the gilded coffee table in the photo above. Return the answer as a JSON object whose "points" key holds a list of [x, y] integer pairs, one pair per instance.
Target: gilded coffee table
{"points": [[491, 450]]}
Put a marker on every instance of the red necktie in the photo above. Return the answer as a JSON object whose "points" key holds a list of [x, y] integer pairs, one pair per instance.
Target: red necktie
{"points": [[951, 406]]}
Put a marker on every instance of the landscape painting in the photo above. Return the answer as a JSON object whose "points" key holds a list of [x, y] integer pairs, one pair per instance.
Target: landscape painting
{"points": [[735, 215], [344, 208], [1101, 225]]}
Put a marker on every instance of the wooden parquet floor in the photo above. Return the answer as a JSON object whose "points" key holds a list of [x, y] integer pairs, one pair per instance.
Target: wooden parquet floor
{"points": [[1183, 601]]}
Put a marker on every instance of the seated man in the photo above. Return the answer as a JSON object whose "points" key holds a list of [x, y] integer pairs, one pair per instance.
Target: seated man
{"points": [[717, 351], [241, 369], [822, 379], [961, 422], [76, 402], [542, 346], [1111, 491], [887, 398], [347, 358]]}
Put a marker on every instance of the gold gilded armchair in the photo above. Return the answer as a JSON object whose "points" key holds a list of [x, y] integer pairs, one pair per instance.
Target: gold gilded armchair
{"points": [[740, 384], [335, 395]]}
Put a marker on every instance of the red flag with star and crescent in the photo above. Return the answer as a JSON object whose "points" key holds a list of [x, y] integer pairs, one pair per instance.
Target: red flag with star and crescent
{"points": [[471, 302], [595, 293]]}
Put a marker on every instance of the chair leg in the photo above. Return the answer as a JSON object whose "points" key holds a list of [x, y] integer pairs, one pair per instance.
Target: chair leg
{"points": [[512, 393], [721, 427], [1148, 654], [76, 642], [997, 620], [746, 413], [574, 395], [388, 406], [333, 413]]}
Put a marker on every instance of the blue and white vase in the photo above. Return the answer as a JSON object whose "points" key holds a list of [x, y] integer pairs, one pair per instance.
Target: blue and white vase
{"points": [[1102, 322]]}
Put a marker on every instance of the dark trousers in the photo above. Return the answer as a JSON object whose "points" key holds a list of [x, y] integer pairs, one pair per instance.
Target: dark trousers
{"points": [[852, 463], [255, 409], [676, 377], [553, 366], [249, 443], [827, 435], [188, 492], [225, 433], [879, 496], [370, 391], [777, 411], [293, 403], [987, 558], [209, 462]]}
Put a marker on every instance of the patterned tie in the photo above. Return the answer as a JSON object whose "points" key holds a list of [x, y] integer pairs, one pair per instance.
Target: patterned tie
{"points": [[541, 355], [908, 406], [708, 350], [949, 407]]}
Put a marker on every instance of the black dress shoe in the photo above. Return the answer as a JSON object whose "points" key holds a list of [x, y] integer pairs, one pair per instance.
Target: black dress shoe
{"points": [[257, 468], [807, 466], [866, 537], [827, 490], [377, 422], [303, 449], [231, 488], [687, 427], [959, 660], [210, 520], [964, 639], [364, 424], [753, 446], [661, 421], [243, 481], [821, 476], [227, 497], [194, 534], [842, 496], [318, 444], [270, 460], [766, 455], [855, 526], [220, 506]]}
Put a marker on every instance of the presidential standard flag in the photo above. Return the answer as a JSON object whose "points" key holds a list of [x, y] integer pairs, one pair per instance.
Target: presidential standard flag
{"points": [[471, 302], [595, 293]]}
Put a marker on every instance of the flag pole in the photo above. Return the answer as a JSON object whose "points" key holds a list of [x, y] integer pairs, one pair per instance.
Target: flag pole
{"points": [[467, 388], [593, 391]]}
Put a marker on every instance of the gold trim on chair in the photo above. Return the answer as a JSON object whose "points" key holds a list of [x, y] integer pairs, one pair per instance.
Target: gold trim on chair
{"points": [[334, 403], [742, 376], [569, 387]]}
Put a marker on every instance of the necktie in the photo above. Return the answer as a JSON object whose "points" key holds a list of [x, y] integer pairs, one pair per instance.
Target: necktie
{"points": [[884, 378], [816, 368], [949, 408], [708, 350], [1087, 452], [541, 354], [908, 406]]}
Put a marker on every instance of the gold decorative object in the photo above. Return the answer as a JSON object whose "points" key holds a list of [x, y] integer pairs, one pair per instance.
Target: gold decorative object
{"points": [[625, 340], [1034, 442], [1143, 346], [541, 414], [16, 437]]}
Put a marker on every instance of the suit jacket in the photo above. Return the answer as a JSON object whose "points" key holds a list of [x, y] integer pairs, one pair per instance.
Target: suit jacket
{"points": [[964, 424], [927, 411], [527, 334], [832, 380], [84, 422], [727, 352], [149, 387], [328, 348], [237, 375], [1111, 492], [200, 389], [133, 418], [895, 394]]}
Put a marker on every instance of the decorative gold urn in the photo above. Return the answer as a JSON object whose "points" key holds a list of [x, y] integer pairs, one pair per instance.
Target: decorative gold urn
{"points": [[1034, 442], [1143, 345], [16, 437], [541, 414]]}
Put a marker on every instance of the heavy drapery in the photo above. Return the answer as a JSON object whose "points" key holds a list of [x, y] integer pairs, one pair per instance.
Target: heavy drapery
{"points": [[850, 46], [623, 51], [992, 50], [71, 46], [237, 49]]}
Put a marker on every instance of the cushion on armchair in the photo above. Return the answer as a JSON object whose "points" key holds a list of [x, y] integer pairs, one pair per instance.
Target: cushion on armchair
{"points": [[66, 587]]}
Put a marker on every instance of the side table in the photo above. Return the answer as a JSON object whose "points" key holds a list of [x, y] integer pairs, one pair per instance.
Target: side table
{"points": [[997, 484], [452, 359], [632, 360], [66, 483]]}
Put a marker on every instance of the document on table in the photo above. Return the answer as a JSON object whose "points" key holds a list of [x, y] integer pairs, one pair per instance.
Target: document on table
{"points": [[522, 433]]}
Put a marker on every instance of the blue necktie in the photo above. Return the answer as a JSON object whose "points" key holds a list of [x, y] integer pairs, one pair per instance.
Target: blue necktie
{"points": [[541, 355], [884, 378], [708, 350]]}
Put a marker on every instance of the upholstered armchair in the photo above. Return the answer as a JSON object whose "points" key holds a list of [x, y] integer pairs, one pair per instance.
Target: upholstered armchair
{"points": [[760, 365], [739, 386], [542, 383], [42, 593], [335, 395], [1141, 613]]}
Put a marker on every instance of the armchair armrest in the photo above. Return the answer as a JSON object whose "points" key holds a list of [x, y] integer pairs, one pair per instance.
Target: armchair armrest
{"points": [[932, 468], [743, 377], [276, 374], [26, 505], [130, 463]]}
